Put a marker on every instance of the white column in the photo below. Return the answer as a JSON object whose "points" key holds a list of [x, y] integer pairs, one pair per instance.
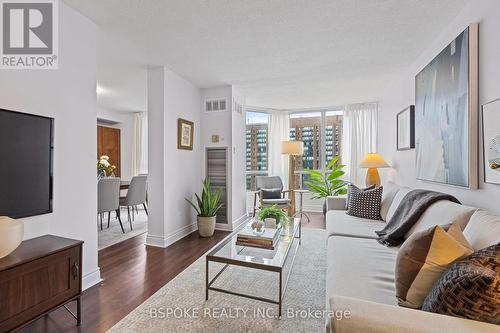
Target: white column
{"points": [[156, 157]]}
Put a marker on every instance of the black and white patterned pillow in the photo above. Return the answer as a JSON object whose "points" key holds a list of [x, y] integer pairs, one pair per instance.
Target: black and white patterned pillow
{"points": [[371, 187], [365, 204]]}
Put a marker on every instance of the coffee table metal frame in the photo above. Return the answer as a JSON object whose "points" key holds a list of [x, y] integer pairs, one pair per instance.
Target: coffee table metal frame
{"points": [[296, 234]]}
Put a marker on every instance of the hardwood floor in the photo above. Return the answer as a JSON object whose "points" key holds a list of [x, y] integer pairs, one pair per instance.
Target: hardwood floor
{"points": [[132, 273]]}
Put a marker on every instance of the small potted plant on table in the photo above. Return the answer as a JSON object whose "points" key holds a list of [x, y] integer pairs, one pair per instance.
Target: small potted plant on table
{"points": [[273, 217], [206, 207]]}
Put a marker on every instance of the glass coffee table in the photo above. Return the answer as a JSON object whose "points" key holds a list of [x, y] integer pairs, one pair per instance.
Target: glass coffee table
{"points": [[228, 253]]}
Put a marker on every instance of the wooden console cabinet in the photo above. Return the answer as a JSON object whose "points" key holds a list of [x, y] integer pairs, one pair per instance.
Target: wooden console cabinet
{"points": [[41, 275]]}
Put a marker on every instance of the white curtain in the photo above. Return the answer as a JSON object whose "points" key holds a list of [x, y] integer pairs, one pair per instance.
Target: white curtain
{"points": [[279, 130], [360, 138], [140, 149]]}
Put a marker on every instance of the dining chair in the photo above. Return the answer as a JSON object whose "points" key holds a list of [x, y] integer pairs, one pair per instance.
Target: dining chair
{"points": [[108, 199], [136, 195]]}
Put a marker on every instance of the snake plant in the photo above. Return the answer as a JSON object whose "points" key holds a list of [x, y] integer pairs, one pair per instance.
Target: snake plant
{"points": [[209, 203]]}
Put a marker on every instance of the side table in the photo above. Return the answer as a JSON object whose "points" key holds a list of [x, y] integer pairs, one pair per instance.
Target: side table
{"points": [[301, 212]]}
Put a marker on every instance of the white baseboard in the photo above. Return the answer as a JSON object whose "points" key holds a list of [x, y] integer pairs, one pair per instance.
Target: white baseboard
{"points": [[240, 221], [230, 227], [91, 279], [153, 240], [164, 241]]}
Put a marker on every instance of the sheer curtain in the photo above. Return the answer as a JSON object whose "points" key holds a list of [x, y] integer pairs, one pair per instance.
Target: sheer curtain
{"points": [[360, 138], [279, 130], [140, 149]]}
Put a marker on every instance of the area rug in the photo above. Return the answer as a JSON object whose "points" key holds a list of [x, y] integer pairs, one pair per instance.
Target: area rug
{"points": [[180, 305], [107, 237]]}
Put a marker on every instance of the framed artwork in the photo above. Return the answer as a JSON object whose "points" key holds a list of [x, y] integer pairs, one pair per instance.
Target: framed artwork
{"points": [[406, 129], [491, 141], [185, 129], [446, 114]]}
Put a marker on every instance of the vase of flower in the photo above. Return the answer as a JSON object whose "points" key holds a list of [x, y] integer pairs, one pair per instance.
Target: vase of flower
{"points": [[104, 167]]}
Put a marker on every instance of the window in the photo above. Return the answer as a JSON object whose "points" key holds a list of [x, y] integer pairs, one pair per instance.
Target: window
{"points": [[256, 146], [321, 133], [333, 128]]}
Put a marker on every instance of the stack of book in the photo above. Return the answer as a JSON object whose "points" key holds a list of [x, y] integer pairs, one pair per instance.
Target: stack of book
{"points": [[267, 240]]}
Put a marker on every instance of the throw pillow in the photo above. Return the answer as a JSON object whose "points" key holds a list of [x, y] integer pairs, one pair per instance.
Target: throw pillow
{"points": [[365, 204], [470, 288], [271, 193], [423, 257], [371, 187]]}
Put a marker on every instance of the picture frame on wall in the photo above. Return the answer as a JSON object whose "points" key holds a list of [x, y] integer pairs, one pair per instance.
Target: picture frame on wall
{"points": [[185, 134], [405, 137], [447, 114], [491, 141]]}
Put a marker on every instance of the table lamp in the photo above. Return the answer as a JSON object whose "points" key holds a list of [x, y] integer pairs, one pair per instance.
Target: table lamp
{"points": [[372, 161]]}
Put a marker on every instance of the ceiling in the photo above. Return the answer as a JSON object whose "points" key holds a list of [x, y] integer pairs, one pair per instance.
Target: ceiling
{"points": [[278, 53]]}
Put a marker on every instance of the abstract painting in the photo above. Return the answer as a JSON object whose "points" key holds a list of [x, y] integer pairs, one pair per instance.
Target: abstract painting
{"points": [[446, 114], [491, 142]]}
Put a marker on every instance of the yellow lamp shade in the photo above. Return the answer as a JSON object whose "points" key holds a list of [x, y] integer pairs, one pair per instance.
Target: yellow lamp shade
{"points": [[292, 147], [373, 160]]}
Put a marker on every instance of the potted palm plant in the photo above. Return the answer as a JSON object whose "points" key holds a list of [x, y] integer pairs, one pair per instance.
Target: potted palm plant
{"points": [[206, 207], [326, 183]]}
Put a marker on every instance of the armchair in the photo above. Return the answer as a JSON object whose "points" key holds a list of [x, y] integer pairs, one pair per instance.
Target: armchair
{"points": [[270, 193]]}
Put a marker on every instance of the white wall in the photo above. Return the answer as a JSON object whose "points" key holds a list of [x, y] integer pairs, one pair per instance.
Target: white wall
{"points": [[67, 94], [231, 128], [174, 173], [402, 93], [238, 142], [216, 122], [125, 122]]}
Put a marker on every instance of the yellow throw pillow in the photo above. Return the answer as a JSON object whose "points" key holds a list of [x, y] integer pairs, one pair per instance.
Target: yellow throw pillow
{"points": [[423, 258]]}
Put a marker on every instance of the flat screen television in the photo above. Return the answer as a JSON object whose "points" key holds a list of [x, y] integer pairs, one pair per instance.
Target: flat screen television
{"points": [[26, 150]]}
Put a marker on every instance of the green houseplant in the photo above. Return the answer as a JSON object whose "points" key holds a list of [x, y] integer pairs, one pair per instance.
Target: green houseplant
{"points": [[206, 207], [326, 183], [273, 212]]}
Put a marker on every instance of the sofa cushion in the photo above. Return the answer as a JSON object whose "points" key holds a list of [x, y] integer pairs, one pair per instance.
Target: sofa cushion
{"points": [[423, 258], [360, 268], [396, 201], [469, 289], [364, 203], [340, 224], [483, 229], [390, 191], [440, 213]]}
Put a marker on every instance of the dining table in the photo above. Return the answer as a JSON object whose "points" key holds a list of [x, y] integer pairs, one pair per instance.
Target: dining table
{"points": [[124, 184]]}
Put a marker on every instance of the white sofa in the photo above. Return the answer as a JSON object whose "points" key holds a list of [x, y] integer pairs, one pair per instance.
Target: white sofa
{"points": [[360, 271]]}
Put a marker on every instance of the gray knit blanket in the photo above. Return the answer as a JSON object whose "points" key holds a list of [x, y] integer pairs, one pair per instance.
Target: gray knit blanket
{"points": [[413, 205]]}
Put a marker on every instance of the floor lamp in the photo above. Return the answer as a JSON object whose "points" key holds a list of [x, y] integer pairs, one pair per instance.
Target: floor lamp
{"points": [[292, 149]]}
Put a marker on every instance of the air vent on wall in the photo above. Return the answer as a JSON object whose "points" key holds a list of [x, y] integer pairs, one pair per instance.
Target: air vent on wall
{"points": [[237, 107], [215, 105]]}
